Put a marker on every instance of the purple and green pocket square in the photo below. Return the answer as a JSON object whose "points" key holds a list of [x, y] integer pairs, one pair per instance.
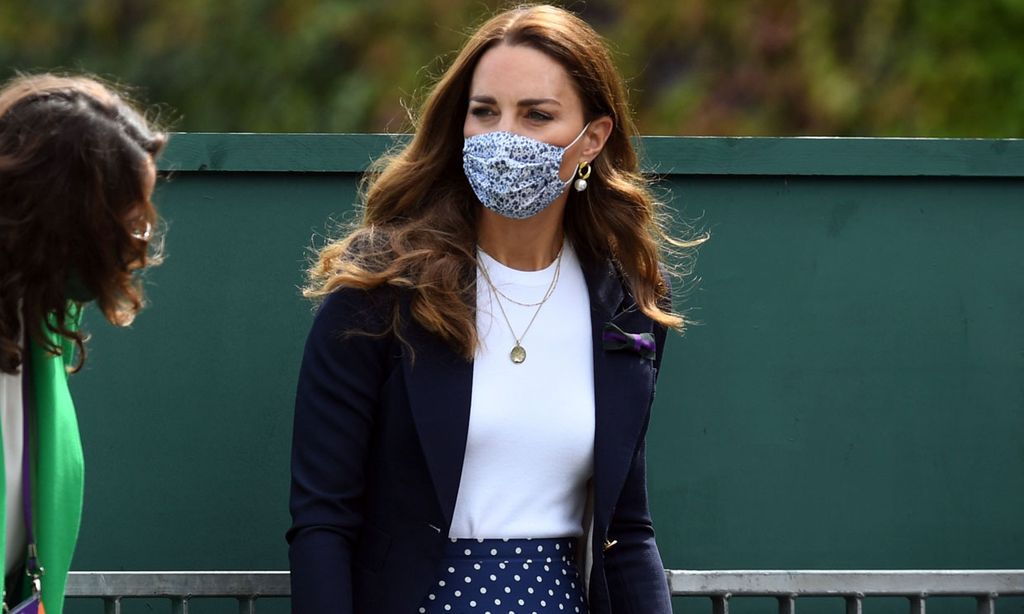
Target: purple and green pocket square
{"points": [[616, 339]]}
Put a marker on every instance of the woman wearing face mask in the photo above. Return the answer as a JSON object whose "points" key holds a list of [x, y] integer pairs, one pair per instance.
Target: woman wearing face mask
{"points": [[475, 390], [76, 176]]}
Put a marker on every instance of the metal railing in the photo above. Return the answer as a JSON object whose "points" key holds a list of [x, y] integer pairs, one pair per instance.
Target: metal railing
{"points": [[917, 586], [179, 587]]}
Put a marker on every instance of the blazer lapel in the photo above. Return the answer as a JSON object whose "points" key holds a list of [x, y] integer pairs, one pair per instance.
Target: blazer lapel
{"points": [[439, 384], [623, 383]]}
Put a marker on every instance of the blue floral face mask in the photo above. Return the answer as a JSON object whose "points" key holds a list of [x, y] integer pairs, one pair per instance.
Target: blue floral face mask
{"points": [[514, 175]]}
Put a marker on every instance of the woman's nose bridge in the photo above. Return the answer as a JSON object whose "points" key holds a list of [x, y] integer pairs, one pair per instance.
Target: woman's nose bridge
{"points": [[507, 123], [509, 118]]}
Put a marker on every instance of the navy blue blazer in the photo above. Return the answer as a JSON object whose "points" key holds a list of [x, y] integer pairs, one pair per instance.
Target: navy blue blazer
{"points": [[378, 444]]}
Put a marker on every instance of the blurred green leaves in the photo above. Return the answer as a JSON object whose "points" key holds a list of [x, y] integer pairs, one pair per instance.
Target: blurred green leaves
{"points": [[724, 67]]}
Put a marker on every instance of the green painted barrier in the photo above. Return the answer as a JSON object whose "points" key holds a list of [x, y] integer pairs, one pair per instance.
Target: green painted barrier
{"points": [[852, 398]]}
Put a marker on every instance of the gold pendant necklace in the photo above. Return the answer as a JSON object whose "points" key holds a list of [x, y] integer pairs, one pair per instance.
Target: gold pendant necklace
{"points": [[518, 353]]}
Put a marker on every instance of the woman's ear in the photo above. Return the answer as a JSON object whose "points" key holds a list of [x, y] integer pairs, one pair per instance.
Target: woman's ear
{"points": [[595, 137]]}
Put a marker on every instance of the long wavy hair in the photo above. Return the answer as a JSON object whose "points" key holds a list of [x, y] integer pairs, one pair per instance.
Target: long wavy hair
{"points": [[74, 155], [419, 213]]}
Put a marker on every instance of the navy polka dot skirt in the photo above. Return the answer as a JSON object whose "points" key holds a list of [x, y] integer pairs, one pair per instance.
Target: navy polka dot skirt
{"points": [[507, 576]]}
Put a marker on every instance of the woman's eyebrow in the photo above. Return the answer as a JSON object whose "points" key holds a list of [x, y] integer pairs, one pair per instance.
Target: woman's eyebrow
{"points": [[532, 102], [526, 102]]}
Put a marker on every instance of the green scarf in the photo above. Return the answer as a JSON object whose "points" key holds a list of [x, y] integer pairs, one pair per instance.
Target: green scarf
{"points": [[57, 477]]}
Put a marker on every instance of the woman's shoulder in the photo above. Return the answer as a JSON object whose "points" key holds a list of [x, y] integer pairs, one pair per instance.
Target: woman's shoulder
{"points": [[354, 309]]}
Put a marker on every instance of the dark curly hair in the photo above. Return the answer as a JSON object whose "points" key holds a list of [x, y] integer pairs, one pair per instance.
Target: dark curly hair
{"points": [[76, 165]]}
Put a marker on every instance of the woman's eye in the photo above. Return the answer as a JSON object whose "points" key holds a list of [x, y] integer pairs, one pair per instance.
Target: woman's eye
{"points": [[538, 116], [480, 111]]}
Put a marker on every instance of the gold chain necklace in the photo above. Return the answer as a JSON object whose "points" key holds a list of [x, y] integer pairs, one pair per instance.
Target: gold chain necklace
{"points": [[512, 300], [518, 353]]}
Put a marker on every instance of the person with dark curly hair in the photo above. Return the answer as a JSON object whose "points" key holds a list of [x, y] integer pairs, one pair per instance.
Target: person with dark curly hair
{"points": [[77, 172]]}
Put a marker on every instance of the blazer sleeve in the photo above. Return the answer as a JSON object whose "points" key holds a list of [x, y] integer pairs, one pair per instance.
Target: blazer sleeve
{"points": [[633, 566], [344, 363]]}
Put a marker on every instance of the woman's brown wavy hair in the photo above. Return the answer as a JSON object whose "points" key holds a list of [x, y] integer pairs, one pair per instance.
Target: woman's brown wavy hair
{"points": [[73, 160], [418, 226]]}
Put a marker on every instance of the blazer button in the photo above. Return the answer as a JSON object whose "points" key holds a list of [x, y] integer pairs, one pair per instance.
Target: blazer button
{"points": [[608, 544]]}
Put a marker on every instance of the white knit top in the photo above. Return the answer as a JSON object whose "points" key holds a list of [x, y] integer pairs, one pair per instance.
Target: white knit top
{"points": [[530, 448], [11, 419]]}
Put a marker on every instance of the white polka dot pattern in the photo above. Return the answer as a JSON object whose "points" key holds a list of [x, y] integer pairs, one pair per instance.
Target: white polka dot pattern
{"points": [[507, 576]]}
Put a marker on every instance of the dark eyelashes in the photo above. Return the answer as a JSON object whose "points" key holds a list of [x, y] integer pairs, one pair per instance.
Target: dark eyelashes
{"points": [[533, 115]]}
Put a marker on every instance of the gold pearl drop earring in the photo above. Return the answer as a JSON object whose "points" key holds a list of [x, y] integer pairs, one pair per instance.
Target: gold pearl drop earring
{"points": [[583, 170]]}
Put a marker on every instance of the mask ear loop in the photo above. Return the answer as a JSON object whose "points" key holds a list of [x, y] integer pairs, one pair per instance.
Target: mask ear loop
{"points": [[578, 136], [568, 147]]}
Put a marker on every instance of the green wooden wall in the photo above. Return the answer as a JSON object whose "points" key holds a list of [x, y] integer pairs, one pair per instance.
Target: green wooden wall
{"points": [[853, 396]]}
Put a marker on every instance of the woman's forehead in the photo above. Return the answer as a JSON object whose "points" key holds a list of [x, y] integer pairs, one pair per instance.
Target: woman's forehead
{"points": [[513, 73]]}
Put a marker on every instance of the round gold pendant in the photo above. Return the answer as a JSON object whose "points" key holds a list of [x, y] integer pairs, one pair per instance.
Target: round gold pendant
{"points": [[518, 354]]}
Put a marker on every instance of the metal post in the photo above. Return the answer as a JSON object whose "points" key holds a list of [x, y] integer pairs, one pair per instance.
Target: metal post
{"points": [[787, 605], [917, 604], [720, 604], [246, 605], [855, 604], [987, 604], [179, 605], [112, 605]]}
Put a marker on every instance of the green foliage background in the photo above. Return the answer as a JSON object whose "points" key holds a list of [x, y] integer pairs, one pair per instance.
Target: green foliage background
{"points": [[719, 67]]}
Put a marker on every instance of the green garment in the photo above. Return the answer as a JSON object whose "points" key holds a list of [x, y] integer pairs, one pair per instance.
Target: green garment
{"points": [[58, 476]]}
